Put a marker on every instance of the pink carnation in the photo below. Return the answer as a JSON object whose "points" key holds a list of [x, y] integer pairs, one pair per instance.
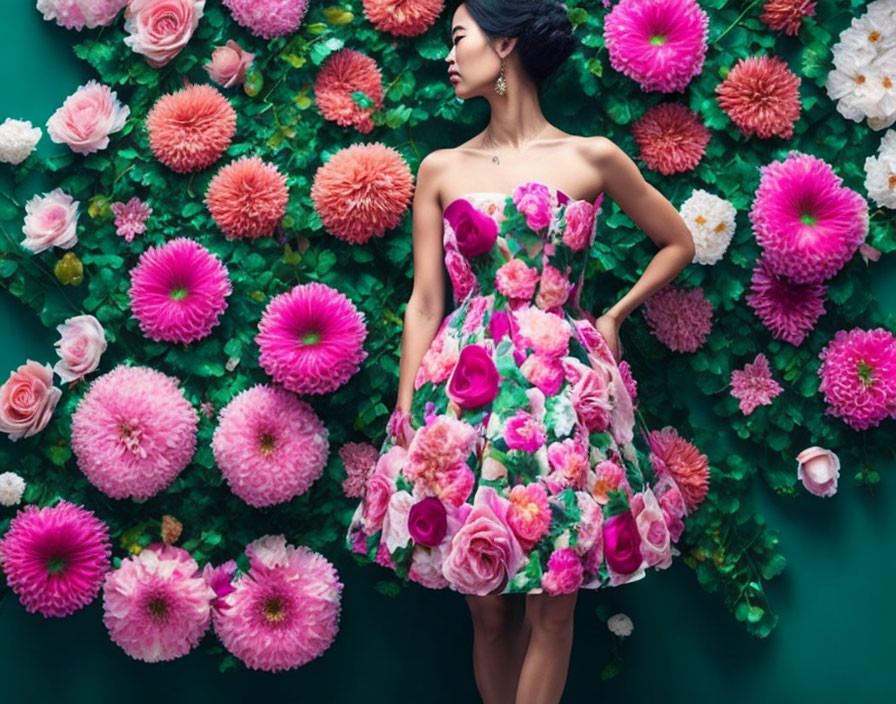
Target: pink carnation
{"points": [[268, 18], [359, 459]]}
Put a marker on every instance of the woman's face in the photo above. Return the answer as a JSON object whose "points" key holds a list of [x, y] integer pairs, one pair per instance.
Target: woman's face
{"points": [[474, 60]]}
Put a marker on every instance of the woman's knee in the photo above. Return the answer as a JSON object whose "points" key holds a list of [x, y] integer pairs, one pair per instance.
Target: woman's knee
{"points": [[551, 614], [492, 615]]}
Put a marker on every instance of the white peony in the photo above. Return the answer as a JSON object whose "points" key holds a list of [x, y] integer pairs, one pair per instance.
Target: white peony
{"points": [[17, 140], [711, 222], [12, 487], [880, 172], [620, 624]]}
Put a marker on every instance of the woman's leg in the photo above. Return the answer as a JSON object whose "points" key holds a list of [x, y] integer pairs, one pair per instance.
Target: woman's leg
{"points": [[500, 635], [543, 675]]}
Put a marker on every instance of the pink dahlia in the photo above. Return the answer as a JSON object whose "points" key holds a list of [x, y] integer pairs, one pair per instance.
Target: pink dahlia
{"points": [[761, 96], [133, 432], [786, 15], [658, 43], [672, 455], [787, 309], [362, 191], [404, 18], [680, 319], [190, 129], [753, 385], [858, 376], [269, 445], [157, 606], [178, 291], [359, 459], [54, 558], [130, 217], [268, 18], [342, 74], [311, 339], [807, 223], [247, 198], [672, 138], [283, 612]]}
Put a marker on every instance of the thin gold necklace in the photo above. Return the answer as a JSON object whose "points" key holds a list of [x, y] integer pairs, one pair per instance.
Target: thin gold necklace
{"points": [[497, 161]]}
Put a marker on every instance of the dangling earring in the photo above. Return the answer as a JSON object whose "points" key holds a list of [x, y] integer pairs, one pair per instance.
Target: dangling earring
{"points": [[500, 82]]}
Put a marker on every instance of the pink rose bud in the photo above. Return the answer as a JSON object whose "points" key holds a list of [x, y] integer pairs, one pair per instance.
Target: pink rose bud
{"points": [[27, 400], [228, 65], [819, 470]]}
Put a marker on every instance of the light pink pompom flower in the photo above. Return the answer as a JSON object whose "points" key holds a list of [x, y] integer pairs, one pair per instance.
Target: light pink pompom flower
{"points": [[807, 223], [160, 29], [133, 432], [283, 612], [54, 558], [818, 469], [268, 18], [680, 319], [858, 376], [311, 339], [87, 118], [77, 14], [228, 65], [51, 220], [27, 400], [658, 43], [753, 385], [269, 445], [157, 605], [359, 459], [787, 309], [130, 217], [81, 343]]}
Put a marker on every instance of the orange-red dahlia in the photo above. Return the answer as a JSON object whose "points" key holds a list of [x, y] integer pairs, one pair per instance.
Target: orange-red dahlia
{"points": [[362, 191], [342, 74], [191, 128], [406, 18], [247, 198], [786, 15], [672, 138], [761, 96]]}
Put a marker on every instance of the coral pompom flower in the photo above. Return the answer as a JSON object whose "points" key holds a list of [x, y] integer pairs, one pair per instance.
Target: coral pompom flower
{"points": [[672, 138], [190, 128], [311, 339], [247, 198], [178, 291], [404, 18], [362, 191], [787, 15], [54, 558], [761, 96], [342, 74]]}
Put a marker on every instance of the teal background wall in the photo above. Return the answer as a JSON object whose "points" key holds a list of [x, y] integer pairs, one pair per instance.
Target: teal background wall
{"points": [[833, 642]]}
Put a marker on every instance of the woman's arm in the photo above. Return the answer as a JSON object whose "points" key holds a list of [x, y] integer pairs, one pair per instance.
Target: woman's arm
{"points": [[426, 306]]}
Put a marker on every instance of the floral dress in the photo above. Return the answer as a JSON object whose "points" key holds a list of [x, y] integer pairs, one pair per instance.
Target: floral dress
{"points": [[517, 469]]}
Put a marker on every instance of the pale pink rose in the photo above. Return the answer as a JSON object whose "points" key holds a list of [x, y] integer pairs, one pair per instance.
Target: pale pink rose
{"points": [[229, 63], [463, 281], [27, 400], [159, 29], [77, 14], [395, 522], [579, 225], [553, 289], [564, 575], [380, 487], [545, 372], [590, 395], [656, 545], [515, 279], [819, 470], [87, 118], [51, 220], [80, 347], [533, 200]]}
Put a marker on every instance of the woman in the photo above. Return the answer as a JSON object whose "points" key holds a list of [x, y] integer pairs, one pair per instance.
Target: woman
{"points": [[503, 50]]}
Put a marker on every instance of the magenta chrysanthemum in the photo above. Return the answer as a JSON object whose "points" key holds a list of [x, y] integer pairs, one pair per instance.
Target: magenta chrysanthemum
{"points": [[268, 18], [359, 459], [157, 606], [311, 339], [680, 319], [753, 385], [178, 291], [342, 74], [133, 432], [404, 18], [761, 96], [269, 445], [659, 43], [284, 611], [671, 137], [807, 223], [858, 376], [787, 309], [54, 558]]}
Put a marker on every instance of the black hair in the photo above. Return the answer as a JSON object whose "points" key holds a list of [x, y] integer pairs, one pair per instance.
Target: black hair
{"points": [[542, 27]]}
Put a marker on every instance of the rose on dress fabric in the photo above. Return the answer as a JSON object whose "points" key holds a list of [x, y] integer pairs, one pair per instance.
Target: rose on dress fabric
{"points": [[475, 378], [475, 232], [159, 29], [565, 572], [522, 431], [51, 220], [534, 201], [27, 400], [380, 487], [819, 470], [228, 65], [553, 288], [656, 544], [428, 522], [672, 504], [82, 343], [579, 225], [87, 117], [515, 279], [622, 543], [396, 533], [463, 280], [529, 513]]}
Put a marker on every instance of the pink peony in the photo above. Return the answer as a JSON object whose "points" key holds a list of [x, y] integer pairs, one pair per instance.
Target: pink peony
{"points": [[533, 200], [564, 575], [789, 310], [81, 344], [283, 612], [404, 18], [54, 558], [51, 220], [77, 14], [157, 605], [761, 96], [590, 395], [269, 445], [130, 217], [529, 514], [515, 279], [437, 459], [680, 319], [463, 281], [87, 118], [268, 18], [544, 372], [671, 137], [160, 29], [546, 333], [247, 198], [819, 470], [581, 221], [753, 385], [342, 75], [554, 288], [228, 65], [475, 379], [27, 400], [569, 463], [525, 432], [473, 231], [311, 339]]}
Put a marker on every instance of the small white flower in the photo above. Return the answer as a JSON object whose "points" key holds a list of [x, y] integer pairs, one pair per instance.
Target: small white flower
{"points": [[880, 172], [564, 415], [12, 487], [620, 624], [18, 138], [711, 222]]}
